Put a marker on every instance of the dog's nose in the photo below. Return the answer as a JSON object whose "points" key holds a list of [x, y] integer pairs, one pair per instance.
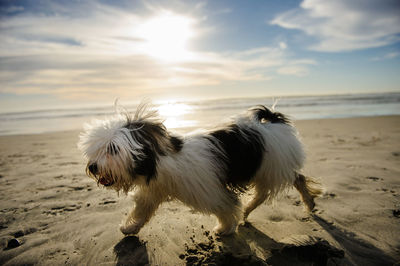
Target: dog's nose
{"points": [[93, 168]]}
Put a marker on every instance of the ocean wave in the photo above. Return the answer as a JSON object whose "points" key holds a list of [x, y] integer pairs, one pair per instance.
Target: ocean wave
{"points": [[211, 111]]}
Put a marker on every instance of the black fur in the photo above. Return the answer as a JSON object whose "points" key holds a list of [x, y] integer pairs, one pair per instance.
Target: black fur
{"points": [[176, 142], [148, 134], [241, 149], [263, 113], [112, 149], [156, 142], [146, 166], [242, 153], [92, 169]]}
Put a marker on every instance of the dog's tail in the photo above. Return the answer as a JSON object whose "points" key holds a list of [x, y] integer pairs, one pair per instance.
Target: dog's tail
{"points": [[309, 189], [263, 114]]}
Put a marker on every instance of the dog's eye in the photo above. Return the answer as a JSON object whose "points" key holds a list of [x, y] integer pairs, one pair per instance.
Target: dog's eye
{"points": [[112, 149], [93, 168]]}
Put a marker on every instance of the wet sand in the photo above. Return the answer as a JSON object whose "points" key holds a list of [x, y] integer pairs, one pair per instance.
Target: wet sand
{"points": [[51, 213]]}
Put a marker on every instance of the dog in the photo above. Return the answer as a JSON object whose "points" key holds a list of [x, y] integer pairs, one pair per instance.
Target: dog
{"points": [[207, 172]]}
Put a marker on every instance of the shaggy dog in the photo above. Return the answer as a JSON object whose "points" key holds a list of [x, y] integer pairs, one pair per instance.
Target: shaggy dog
{"points": [[207, 172]]}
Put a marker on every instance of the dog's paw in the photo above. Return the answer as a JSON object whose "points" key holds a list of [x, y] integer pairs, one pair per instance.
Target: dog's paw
{"points": [[131, 228], [220, 230]]}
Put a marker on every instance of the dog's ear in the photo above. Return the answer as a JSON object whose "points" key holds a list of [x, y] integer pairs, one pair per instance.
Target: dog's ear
{"points": [[146, 165], [153, 138], [155, 142]]}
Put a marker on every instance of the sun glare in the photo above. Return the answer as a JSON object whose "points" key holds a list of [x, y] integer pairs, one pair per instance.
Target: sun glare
{"points": [[166, 36], [173, 113]]}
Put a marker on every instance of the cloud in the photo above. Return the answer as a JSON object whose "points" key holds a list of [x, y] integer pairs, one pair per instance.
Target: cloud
{"points": [[343, 25], [299, 71], [104, 76], [283, 45], [11, 9], [297, 68], [390, 55], [98, 54]]}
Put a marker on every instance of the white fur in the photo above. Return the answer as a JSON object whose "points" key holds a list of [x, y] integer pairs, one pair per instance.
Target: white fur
{"points": [[193, 175], [94, 143]]}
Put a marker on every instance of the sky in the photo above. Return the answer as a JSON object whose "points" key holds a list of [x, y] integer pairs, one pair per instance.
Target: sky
{"points": [[62, 53]]}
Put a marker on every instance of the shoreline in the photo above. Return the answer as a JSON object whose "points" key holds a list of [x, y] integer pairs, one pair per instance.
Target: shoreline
{"points": [[202, 113], [184, 130], [59, 215]]}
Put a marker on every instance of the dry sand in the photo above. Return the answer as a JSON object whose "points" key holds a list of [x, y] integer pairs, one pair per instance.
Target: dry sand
{"points": [[51, 213]]}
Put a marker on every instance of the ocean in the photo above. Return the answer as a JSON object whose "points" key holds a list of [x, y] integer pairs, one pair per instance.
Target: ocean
{"points": [[206, 113]]}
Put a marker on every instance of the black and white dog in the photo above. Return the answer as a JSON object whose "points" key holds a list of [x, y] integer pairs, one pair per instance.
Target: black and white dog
{"points": [[259, 150]]}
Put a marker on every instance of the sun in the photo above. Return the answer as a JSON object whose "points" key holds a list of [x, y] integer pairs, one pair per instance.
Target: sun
{"points": [[166, 36]]}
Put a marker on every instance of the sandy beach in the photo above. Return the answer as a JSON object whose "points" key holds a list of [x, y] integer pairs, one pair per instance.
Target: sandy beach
{"points": [[52, 214]]}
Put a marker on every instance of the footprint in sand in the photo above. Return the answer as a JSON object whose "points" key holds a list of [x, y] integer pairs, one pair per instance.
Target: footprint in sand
{"points": [[37, 157], [24, 232], [374, 178], [16, 155], [371, 142], [208, 252], [67, 163], [108, 202], [353, 188], [276, 218], [329, 195], [77, 188], [62, 209], [305, 219], [297, 203], [39, 144]]}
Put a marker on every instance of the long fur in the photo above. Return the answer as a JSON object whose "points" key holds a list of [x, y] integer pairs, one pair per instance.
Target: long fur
{"points": [[205, 171]]}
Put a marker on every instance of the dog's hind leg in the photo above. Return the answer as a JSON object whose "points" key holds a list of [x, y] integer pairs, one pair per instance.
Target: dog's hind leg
{"points": [[308, 188], [259, 198]]}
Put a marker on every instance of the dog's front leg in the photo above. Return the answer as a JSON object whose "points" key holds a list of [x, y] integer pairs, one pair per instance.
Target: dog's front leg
{"points": [[146, 203]]}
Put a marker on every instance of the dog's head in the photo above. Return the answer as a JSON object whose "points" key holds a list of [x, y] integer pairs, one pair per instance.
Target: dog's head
{"points": [[124, 150]]}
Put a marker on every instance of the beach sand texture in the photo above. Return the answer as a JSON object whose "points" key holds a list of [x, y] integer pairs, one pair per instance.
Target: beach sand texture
{"points": [[52, 214]]}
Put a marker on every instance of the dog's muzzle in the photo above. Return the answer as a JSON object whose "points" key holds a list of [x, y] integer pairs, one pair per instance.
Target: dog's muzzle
{"points": [[94, 170], [105, 182]]}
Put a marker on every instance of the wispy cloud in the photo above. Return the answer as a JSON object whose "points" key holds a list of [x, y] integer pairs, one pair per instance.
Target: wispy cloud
{"points": [[390, 55], [98, 53], [343, 25], [11, 9], [294, 69]]}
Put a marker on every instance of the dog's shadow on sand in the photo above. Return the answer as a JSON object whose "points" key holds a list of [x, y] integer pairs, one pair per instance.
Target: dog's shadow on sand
{"points": [[260, 249], [251, 246], [131, 251], [358, 251], [315, 251]]}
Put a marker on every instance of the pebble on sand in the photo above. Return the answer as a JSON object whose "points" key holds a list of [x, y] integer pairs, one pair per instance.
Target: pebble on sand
{"points": [[13, 243]]}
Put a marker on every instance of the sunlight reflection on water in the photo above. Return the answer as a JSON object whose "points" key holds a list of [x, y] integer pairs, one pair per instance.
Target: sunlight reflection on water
{"points": [[175, 115], [185, 116]]}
